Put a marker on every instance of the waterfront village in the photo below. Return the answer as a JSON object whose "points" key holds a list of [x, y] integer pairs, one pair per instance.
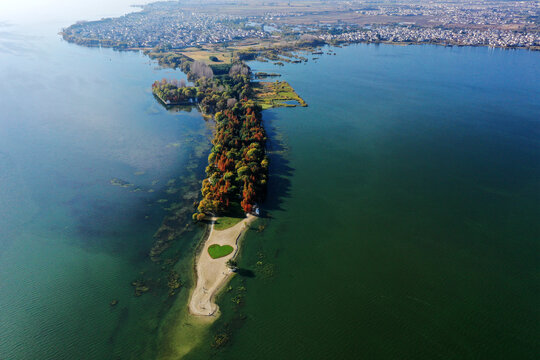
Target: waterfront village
{"points": [[184, 24]]}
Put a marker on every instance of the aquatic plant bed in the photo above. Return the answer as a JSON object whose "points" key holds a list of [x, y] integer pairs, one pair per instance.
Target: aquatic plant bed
{"points": [[276, 94], [216, 251]]}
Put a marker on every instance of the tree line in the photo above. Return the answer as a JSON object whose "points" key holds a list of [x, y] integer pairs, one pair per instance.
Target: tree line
{"points": [[237, 168]]}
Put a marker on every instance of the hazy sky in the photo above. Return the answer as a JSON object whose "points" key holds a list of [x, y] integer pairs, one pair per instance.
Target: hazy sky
{"points": [[63, 11]]}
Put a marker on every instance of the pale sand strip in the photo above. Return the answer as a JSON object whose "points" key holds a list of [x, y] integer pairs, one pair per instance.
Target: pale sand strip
{"points": [[213, 274]]}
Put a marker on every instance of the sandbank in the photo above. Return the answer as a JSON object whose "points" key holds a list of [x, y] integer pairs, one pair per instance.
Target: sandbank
{"points": [[213, 274]]}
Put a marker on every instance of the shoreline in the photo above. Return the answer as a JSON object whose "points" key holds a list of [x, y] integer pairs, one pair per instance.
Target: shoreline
{"points": [[213, 274], [340, 43]]}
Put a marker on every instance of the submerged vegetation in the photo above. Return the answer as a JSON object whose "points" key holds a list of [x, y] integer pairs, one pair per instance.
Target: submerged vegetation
{"points": [[262, 75], [276, 94]]}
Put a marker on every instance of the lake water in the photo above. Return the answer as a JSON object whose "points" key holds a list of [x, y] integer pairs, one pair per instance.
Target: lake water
{"points": [[402, 214], [76, 121], [401, 220]]}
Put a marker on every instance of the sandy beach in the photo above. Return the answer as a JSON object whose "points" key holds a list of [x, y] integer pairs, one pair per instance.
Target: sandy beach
{"points": [[213, 274]]}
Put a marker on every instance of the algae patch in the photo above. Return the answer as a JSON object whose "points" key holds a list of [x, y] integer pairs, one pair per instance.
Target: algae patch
{"points": [[120, 182]]}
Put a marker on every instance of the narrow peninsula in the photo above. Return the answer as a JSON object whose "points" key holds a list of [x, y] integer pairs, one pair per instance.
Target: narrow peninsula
{"points": [[237, 171]]}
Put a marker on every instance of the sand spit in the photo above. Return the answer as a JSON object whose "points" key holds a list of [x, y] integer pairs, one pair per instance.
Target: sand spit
{"points": [[213, 274]]}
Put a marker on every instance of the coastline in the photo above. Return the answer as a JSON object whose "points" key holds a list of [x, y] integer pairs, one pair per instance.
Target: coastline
{"points": [[213, 274], [116, 47]]}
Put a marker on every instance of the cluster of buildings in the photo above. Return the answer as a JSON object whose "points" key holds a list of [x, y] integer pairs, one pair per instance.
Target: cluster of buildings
{"points": [[473, 22], [462, 13], [413, 34], [176, 29]]}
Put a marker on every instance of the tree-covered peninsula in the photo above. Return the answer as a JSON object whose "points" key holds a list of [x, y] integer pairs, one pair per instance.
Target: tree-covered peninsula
{"points": [[237, 168]]}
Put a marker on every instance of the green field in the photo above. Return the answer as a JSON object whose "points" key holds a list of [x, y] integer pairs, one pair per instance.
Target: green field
{"points": [[217, 251], [203, 54], [226, 222], [276, 94]]}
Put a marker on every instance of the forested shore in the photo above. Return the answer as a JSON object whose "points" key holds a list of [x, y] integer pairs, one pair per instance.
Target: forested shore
{"points": [[237, 168]]}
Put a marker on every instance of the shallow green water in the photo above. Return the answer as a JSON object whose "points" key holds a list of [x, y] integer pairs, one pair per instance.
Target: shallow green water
{"points": [[72, 120], [402, 212], [401, 219]]}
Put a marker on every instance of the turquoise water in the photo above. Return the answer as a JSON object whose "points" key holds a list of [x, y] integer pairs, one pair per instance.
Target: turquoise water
{"points": [[401, 219], [72, 120]]}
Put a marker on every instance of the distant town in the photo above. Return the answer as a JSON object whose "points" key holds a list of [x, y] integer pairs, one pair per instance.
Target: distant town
{"points": [[184, 24]]}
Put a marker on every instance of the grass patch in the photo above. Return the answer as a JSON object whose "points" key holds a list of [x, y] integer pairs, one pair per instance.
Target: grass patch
{"points": [[276, 94], [233, 216], [226, 222], [208, 56], [217, 251]]}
